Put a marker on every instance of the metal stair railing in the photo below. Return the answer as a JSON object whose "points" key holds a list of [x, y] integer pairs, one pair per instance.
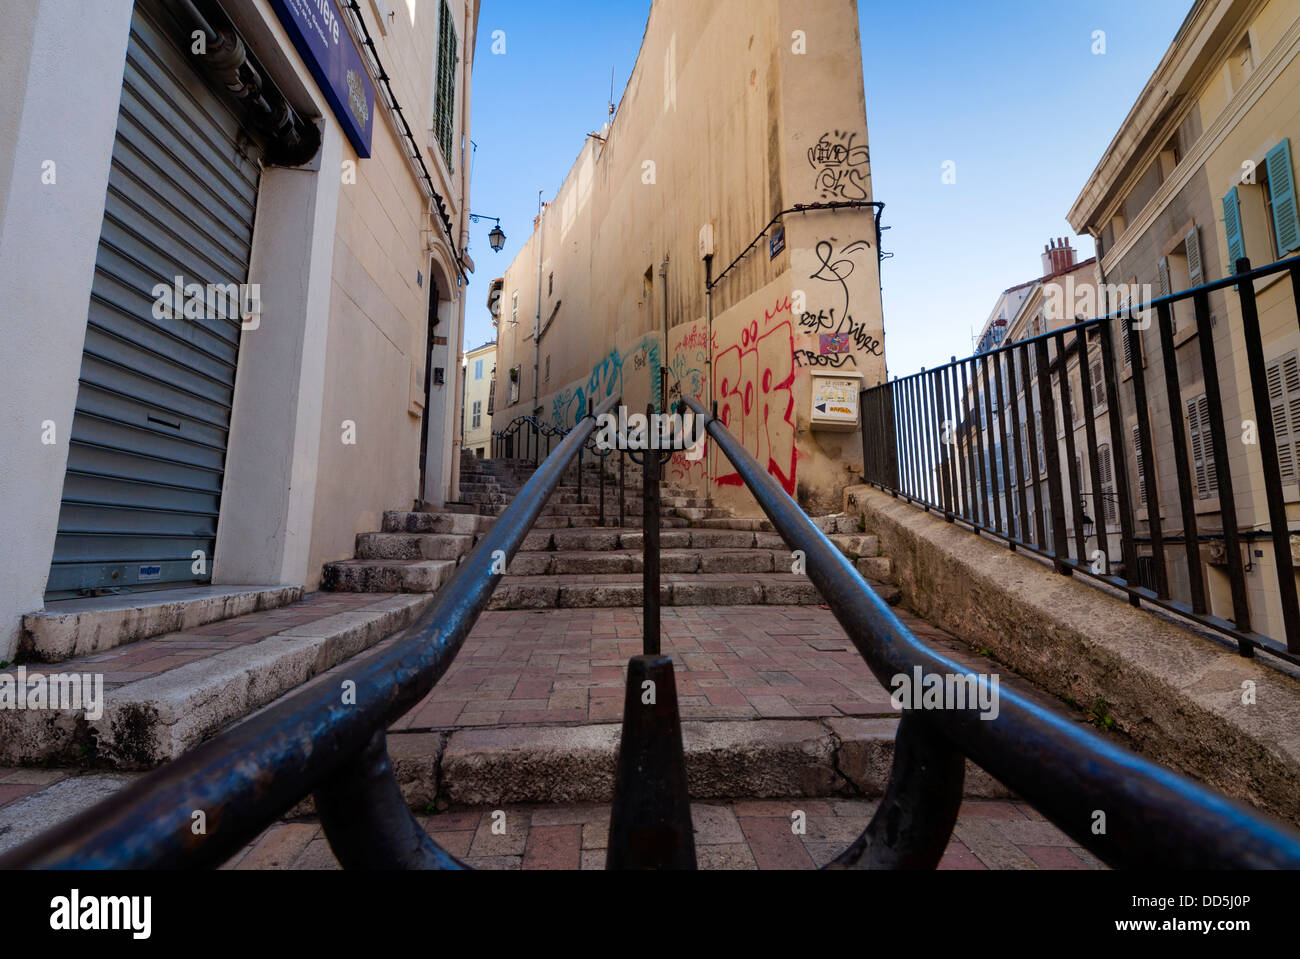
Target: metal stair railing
{"points": [[1124, 809]]}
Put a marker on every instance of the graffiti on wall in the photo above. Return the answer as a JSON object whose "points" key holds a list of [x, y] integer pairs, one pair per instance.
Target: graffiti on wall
{"points": [[608, 378], [836, 327], [688, 375], [755, 393], [841, 166]]}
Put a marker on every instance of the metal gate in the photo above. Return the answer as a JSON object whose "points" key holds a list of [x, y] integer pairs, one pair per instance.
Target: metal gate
{"points": [[148, 443]]}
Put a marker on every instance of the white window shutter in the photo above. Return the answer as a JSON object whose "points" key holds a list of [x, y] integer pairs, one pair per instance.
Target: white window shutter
{"points": [[1141, 467], [1192, 244], [1162, 272]]}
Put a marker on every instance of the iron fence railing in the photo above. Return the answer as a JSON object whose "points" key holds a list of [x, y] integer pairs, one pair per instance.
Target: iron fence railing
{"points": [[1124, 809], [978, 441]]}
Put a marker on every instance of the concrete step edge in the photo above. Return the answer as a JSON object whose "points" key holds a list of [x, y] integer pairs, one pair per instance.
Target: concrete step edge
{"points": [[73, 628], [725, 759], [154, 720]]}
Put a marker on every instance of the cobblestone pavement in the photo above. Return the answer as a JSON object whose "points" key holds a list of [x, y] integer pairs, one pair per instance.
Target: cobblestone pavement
{"points": [[737, 835], [731, 662]]}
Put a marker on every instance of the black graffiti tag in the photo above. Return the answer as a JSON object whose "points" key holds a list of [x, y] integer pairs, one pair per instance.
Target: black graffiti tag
{"points": [[834, 360], [824, 322], [842, 168]]}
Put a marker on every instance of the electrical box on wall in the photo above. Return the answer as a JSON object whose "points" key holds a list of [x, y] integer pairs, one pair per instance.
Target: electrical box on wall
{"points": [[835, 401]]}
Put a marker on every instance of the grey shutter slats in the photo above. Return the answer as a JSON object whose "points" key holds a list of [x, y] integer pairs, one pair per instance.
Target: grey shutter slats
{"points": [[149, 436]]}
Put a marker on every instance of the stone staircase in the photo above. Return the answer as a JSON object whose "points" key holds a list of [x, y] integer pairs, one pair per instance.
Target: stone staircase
{"points": [[178, 668], [571, 560]]}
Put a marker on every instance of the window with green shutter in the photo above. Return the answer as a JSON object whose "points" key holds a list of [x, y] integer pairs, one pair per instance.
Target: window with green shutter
{"points": [[444, 97], [1232, 225], [1281, 188]]}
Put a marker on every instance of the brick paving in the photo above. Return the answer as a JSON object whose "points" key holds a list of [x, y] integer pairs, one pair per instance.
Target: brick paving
{"points": [[737, 835], [735, 662]]}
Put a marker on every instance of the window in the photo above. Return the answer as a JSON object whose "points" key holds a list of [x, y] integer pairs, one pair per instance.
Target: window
{"points": [[1260, 218], [444, 91], [478, 369], [477, 417], [1143, 191], [1108, 508], [1202, 447], [1181, 270], [1240, 65], [1141, 466], [1098, 383], [1131, 319], [514, 308], [514, 385], [1283, 378]]}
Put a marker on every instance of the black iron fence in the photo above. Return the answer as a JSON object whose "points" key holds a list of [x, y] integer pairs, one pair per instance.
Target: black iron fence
{"points": [[1036, 443], [1125, 810]]}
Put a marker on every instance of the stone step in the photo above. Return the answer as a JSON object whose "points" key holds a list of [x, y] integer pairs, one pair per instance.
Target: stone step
{"points": [[569, 562], [79, 627], [450, 546], [699, 512], [560, 521], [153, 720], [728, 759], [675, 589], [387, 575], [607, 538], [402, 521]]}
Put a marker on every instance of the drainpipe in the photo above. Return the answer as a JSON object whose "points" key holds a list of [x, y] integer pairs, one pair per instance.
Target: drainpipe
{"points": [[663, 363], [708, 332], [537, 321]]}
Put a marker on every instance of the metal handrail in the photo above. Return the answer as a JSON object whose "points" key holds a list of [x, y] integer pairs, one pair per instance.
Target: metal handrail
{"points": [[328, 738], [1149, 815]]}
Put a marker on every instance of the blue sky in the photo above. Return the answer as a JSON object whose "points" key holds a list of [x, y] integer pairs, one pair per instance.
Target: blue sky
{"points": [[1010, 91]]}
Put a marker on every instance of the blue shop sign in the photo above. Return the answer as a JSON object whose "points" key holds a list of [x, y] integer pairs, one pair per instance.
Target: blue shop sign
{"points": [[322, 38]]}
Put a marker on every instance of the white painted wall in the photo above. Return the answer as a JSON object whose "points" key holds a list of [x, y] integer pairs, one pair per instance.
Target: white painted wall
{"points": [[269, 491], [69, 96]]}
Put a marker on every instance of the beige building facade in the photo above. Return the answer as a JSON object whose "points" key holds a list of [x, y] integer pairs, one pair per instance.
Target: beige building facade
{"points": [[1054, 301], [736, 113], [478, 369], [249, 443], [1201, 174]]}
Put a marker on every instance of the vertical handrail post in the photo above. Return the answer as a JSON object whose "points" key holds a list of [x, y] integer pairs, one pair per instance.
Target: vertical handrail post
{"points": [[650, 543]]}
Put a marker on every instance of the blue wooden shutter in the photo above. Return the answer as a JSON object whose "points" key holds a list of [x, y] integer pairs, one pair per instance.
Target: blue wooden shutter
{"points": [[1232, 224], [1281, 184]]}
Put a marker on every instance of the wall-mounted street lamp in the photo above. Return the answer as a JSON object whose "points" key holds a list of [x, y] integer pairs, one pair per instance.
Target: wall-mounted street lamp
{"points": [[496, 236]]}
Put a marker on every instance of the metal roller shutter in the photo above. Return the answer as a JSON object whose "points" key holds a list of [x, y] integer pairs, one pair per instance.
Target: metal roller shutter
{"points": [[149, 437]]}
